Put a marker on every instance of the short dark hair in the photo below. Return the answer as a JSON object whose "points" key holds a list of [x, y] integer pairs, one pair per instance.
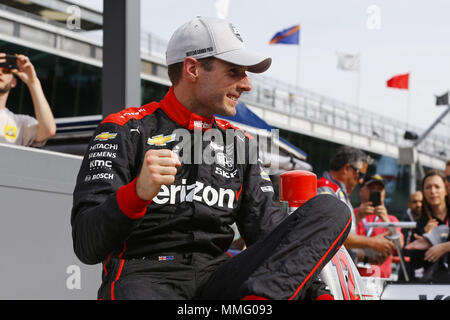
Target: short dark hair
{"points": [[447, 163], [175, 70], [346, 155]]}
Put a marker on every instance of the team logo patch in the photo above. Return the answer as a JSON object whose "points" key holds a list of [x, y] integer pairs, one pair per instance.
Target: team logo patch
{"points": [[267, 189], [264, 174], [236, 32], [104, 136], [225, 159], [10, 132], [161, 140]]}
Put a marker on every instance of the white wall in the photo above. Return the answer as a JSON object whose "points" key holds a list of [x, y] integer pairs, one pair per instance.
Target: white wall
{"points": [[36, 255]]}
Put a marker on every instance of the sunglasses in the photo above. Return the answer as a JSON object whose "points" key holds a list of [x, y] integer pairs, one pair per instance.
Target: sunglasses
{"points": [[6, 71], [361, 175]]}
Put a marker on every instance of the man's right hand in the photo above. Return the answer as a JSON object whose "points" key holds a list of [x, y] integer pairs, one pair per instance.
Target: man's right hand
{"points": [[381, 244], [366, 209], [159, 168]]}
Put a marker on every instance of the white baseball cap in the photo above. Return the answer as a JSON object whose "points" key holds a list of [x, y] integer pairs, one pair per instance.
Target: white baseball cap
{"points": [[204, 37]]}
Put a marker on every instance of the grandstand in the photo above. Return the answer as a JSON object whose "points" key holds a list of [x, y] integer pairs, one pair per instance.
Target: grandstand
{"points": [[69, 65]]}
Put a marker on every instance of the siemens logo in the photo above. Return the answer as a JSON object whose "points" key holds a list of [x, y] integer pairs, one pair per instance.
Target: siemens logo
{"points": [[196, 192]]}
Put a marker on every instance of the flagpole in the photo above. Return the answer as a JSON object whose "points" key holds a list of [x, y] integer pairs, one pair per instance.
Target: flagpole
{"points": [[297, 80], [358, 88], [408, 103]]}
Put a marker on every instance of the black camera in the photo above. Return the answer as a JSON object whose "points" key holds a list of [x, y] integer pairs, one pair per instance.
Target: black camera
{"points": [[10, 63], [375, 197]]}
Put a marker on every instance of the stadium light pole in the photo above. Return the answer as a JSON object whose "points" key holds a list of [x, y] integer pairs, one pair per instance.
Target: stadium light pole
{"points": [[121, 81], [409, 155]]}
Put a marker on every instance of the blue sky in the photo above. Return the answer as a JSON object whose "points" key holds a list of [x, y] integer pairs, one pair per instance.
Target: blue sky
{"points": [[402, 36]]}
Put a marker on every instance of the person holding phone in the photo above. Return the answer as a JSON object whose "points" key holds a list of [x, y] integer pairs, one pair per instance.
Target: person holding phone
{"points": [[23, 129], [372, 209]]}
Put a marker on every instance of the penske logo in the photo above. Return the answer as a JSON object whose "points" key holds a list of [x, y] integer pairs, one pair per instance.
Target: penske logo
{"points": [[197, 192], [161, 140], [104, 136]]}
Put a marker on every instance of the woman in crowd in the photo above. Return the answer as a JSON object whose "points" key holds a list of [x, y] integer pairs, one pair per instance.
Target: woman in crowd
{"points": [[435, 203], [433, 241]]}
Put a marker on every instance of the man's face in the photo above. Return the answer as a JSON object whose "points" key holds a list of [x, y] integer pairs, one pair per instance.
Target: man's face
{"points": [[447, 178], [6, 80], [218, 90], [365, 191], [355, 176], [415, 204]]}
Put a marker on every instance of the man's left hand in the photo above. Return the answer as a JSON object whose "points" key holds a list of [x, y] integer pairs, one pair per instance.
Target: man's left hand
{"points": [[26, 71]]}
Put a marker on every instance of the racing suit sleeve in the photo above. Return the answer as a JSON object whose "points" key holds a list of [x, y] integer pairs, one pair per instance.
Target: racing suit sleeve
{"points": [[105, 205], [259, 213]]}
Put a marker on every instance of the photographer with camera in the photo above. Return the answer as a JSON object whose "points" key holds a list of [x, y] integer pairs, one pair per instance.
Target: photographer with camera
{"points": [[372, 209], [23, 129]]}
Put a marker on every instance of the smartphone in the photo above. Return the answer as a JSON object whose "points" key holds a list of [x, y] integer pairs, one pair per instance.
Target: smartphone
{"points": [[375, 197], [10, 63]]}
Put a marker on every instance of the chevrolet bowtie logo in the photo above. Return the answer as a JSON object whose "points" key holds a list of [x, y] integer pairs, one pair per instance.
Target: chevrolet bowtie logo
{"points": [[105, 136], [161, 140]]}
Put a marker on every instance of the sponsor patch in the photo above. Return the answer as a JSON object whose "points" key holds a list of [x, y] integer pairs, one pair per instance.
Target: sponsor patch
{"points": [[201, 125], [199, 51], [161, 140], [10, 132], [105, 146], [104, 136], [225, 174], [267, 189], [264, 174], [103, 154], [165, 258], [197, 192], [99, 176], [236, 32], [95, 164]]}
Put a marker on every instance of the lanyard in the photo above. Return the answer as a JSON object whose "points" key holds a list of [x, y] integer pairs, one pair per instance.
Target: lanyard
{"points": [[369, 231]]}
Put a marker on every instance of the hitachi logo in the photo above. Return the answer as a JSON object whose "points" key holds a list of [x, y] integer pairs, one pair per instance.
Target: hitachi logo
{"points": [[196, 192]]}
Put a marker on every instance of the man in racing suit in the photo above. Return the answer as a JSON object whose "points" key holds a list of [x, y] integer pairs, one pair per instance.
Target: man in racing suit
{"points": [[161, 226]]}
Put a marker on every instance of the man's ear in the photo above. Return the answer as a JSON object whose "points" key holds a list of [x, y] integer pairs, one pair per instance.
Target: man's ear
{"points": [[347, 167], [190, 69]]}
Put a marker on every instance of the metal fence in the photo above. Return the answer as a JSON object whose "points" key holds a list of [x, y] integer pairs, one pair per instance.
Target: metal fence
{"points": [[294, 101]]}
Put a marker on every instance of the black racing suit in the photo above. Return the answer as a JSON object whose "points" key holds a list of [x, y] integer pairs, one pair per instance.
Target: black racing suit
{"points": [[175, 245]]}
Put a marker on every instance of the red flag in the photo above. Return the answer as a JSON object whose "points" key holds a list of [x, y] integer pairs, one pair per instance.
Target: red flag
{"points": [[400, 81]]}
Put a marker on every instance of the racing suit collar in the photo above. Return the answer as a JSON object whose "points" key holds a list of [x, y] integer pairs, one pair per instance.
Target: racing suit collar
{"points": [[341, 185], [180, 114]]}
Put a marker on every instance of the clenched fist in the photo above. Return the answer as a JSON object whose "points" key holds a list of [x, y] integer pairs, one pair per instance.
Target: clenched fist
{"points": [[159, 168]]}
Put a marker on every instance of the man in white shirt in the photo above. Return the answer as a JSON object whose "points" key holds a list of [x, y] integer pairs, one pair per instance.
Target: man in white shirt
{"points": [[22, 129]]}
